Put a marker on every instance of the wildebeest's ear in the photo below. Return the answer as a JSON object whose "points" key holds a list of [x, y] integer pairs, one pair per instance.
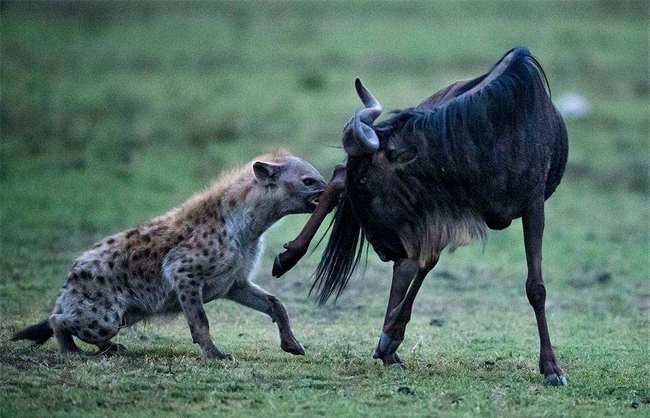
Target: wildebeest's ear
{"points": [[266, 172]]}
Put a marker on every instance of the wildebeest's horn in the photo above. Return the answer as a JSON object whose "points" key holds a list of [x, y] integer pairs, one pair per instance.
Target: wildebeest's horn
{"points": [[372, 106], [364, 134], [358, 136]]}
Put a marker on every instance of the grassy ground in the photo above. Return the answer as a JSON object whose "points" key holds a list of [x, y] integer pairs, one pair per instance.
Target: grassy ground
{"points": [[113, 113]]}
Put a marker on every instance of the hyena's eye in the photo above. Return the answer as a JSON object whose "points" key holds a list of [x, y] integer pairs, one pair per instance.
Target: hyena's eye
{"points": [[308, 182]]}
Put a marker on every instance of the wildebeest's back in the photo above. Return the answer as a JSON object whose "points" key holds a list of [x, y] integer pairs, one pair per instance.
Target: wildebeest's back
{"points": [[497, 148]]}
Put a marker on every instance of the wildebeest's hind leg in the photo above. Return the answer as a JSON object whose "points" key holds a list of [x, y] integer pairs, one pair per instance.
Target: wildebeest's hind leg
{"points": [[248, 294], [533, 223], [407, 279]]}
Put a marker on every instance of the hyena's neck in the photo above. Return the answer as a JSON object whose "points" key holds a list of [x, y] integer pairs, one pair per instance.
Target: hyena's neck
{"points": [[249, 218], [242, 209]]}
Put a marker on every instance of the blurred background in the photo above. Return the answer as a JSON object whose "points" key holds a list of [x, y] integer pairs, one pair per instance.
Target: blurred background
{"points": [[113, 112]]}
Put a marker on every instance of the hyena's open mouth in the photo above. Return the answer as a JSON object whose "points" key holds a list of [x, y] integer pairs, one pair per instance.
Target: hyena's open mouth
{"points": [[314, 199]]}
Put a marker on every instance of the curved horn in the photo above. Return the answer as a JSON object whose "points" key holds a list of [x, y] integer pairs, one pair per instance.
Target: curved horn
{"points": [[372, 106], [358, 136]]}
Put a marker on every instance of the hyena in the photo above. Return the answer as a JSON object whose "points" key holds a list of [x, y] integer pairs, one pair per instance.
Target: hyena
{"points": [[205, 249]]}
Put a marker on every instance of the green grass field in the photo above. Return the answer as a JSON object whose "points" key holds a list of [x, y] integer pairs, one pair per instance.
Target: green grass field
{"points": [[111, 113]]}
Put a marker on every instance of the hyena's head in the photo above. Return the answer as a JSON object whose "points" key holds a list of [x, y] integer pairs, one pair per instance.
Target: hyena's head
{"points": [[291, 182]]}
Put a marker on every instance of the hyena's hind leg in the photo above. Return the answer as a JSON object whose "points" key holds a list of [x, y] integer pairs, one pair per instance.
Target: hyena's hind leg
{"points": [[253, 296], [98, 328], [60, 327], [95, 324]]}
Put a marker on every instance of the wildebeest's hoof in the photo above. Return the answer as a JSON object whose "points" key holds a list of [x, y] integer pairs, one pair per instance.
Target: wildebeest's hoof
{"points": [[217, 355], [390, 360], [552, 373], [556, 380], [293, 347], [394, 361], [387, 351]]}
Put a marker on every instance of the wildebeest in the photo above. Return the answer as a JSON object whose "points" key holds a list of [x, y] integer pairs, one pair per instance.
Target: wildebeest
{"points": [[474, 156]]}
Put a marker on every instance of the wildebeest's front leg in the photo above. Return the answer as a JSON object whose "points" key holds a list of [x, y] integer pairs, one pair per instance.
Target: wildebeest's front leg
{"points": [[296, 249], [407, 279], [248, 294], [533, 223]]}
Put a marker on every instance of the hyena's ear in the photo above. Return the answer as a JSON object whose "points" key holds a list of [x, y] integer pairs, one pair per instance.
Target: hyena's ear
{"points": [[267, 173]]}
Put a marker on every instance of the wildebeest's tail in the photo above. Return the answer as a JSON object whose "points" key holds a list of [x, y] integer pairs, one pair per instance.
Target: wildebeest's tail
{"points": [[341, 256], [38, 333]]}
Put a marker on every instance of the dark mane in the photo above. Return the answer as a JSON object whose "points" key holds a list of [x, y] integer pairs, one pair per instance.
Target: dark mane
{"points": [[523, 74]]}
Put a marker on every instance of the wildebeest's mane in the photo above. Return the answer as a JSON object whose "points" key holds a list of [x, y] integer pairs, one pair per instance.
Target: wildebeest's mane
{"points": [[469, 123], [464, 132], [524, 75]]}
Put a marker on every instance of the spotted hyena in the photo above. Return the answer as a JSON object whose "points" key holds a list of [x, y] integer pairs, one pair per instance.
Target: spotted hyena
{"points": [[203, 250]]}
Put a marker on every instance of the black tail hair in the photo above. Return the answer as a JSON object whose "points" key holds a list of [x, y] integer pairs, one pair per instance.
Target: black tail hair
{"points": [[341, 256], [38, 333]]}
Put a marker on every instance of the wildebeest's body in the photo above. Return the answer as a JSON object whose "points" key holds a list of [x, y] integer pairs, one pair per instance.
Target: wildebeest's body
{"points": [[477, 162]]}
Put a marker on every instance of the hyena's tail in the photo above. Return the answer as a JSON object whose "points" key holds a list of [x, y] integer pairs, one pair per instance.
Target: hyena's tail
{"points": [[38, 333]]}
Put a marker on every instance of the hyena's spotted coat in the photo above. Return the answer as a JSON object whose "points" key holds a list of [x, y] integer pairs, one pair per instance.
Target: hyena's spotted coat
{"points": [[205, 249]]}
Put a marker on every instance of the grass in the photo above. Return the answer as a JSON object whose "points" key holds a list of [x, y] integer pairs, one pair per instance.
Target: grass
{"points": [[112, 113]]}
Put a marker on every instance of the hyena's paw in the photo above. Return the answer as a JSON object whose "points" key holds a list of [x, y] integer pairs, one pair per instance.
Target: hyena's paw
{"points": [[111, 349], [70, 350]]}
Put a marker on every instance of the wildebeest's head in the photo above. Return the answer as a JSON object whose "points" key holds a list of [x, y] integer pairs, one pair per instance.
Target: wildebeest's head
{"points": [[386, 162], [380, 152]]}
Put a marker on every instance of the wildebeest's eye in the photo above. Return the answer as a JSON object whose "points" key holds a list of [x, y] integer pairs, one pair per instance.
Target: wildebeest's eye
{"points": [[403, 155], [309, 181]]}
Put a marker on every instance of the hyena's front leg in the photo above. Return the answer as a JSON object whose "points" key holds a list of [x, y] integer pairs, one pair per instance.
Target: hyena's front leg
{"points": [[190, 297], [248, 294]]}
